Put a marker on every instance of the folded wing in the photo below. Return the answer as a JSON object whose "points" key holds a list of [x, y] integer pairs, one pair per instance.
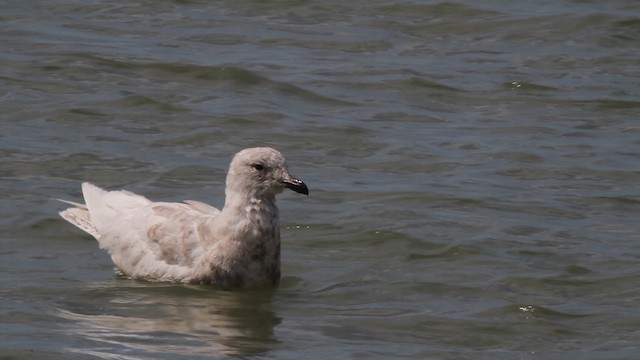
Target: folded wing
{"points": [[158, 241]]}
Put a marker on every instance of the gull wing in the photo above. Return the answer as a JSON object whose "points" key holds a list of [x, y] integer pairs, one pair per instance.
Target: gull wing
{"points": [[202, 207], [149, 240]]}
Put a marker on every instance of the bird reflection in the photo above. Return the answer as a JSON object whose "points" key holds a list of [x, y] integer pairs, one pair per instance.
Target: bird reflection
{"points": [[159, 319]]}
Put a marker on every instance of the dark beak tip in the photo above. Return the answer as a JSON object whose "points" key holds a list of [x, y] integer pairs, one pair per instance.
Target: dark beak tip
{"points": [[297, 185]]}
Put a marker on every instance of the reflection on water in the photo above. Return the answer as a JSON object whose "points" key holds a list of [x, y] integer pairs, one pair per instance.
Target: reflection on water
{"points": [[146, 319]]}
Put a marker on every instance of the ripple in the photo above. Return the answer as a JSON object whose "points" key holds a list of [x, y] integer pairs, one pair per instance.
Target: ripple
{"points": [[189, 176], [457, 252], [529, 310]]}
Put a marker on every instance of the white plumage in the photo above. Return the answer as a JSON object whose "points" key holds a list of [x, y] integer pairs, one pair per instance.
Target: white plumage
{"points": [[238, 246]]}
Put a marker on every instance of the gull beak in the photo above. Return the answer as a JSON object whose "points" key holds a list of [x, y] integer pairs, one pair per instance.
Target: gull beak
{"points": [[296, 185]]}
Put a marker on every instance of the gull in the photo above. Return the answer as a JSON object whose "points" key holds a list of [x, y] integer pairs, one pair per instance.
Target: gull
{"points": [[192, 242]]}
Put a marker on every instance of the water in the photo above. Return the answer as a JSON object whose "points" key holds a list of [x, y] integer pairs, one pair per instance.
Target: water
{"points": [[473, 171]]}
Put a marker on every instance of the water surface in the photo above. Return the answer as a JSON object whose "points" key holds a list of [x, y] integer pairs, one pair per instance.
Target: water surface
{"points": [[473, 171]]}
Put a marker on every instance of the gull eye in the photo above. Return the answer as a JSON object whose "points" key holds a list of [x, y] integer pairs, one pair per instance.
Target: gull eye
{"points": [[258, 167]]}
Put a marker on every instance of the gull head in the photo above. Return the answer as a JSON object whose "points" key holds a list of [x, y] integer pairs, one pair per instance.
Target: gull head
{"points": [[261, 172]]}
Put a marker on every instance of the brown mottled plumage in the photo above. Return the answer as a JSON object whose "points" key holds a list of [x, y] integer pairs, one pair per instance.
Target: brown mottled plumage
{"points": [[236, 247]]}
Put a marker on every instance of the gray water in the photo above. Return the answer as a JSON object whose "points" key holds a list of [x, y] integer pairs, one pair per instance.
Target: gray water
{"points": [[473, 169]]}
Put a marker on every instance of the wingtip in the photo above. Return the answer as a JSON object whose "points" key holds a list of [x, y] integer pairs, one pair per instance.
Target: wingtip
{"points": [[90, 190], [88, 185], [80, 205]]}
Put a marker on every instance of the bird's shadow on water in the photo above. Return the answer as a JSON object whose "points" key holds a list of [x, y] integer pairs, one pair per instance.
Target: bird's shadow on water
{"points": [[142, 318]]}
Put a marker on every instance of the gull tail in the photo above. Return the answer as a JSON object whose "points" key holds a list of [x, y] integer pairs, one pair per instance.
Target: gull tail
{"points": [[79, 216]]}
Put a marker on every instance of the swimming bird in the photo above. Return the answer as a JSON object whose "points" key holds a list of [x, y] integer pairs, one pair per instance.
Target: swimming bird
{"points": [[192, 242]]}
